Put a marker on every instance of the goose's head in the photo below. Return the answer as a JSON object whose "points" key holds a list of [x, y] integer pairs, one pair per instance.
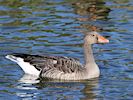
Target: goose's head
{"points": [[94, 37]]}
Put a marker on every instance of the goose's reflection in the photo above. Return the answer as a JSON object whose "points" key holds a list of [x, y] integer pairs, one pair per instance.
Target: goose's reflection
{"points": [[85, 89], [26, 88], [31, 86], [30, 79]]}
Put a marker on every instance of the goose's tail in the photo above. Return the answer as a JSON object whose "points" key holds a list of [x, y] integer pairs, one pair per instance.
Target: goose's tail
{"points": [[14, 59], [26, 66]]}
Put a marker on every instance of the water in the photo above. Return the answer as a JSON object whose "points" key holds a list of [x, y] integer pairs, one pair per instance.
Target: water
{"points": [[54, 27]]}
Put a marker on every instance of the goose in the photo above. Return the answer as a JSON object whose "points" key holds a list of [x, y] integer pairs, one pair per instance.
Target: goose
{"points": [[61, 67]]}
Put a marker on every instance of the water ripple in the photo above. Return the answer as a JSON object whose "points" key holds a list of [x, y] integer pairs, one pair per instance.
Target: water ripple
{"points": [[54, 27]]}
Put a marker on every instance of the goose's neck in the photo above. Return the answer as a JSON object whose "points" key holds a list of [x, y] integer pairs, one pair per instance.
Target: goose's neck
{"points": [[88, 53], [91, 68]]}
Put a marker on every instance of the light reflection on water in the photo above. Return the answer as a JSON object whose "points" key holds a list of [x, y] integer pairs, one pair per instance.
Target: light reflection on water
{"points": [[54, 27]]}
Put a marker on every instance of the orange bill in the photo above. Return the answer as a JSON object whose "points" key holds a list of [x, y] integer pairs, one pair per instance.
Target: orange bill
{"points": [[102, 39]]}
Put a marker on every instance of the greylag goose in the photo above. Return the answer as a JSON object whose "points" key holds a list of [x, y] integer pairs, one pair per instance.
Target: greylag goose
{"points": [[60, 67]]}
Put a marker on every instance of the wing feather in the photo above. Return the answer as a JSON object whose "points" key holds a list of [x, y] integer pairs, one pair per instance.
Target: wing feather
{"points": [[46, 63]]}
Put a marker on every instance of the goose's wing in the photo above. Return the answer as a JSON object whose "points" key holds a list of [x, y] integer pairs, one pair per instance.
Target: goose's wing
{"points": [[45, 63]]}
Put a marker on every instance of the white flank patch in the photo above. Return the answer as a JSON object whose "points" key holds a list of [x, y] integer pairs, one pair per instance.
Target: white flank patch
{"points": [[55, 61], [26, 67]]}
